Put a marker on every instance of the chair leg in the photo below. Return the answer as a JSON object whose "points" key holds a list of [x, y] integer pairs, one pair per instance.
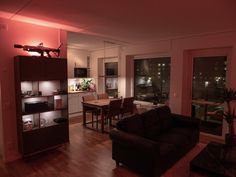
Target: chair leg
{"points": [[110, 119], [92, 119], [117, 163], [97, 122]]}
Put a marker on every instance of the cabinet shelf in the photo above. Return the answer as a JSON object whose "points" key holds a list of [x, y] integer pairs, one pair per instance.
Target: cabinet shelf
{"points": [[41, 96], [46, 126], [38, 112]]}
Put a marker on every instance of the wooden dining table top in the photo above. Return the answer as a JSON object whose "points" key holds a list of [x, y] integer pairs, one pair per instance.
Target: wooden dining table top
{"points": [[99, 103]]}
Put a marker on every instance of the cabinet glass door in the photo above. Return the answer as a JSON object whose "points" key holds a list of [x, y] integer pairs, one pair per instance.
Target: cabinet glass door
{"points": [[111, 78]]}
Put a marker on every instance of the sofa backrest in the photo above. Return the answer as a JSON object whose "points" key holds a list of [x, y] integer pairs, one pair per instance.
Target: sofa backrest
{"points": [[166, 120], [151, 123], [132, 124], [148, 124]]}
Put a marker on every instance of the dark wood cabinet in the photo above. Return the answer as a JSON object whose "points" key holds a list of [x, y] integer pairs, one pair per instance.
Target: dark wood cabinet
{"points": [[55, 69], [41, 103], [31, 68], [37, 68]]}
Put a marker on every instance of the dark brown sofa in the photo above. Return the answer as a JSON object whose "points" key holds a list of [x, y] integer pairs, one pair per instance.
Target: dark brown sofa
{"points": [[151, 142]]}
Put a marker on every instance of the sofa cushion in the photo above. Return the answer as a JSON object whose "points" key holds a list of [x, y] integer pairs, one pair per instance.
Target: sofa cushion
{"points": [[164, 114], [169, 153], [183, 131], [166, 149], [151, 124], [178, 140], [132, 124]]}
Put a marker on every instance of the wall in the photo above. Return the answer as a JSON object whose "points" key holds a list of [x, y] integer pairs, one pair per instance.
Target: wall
{"points": [[1, 128], [179, 50], [19, 33], [176, 49], [76, 58], [214, 41]]}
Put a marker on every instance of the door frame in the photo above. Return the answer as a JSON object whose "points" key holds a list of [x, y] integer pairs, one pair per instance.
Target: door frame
{"points": [[189, 55]]}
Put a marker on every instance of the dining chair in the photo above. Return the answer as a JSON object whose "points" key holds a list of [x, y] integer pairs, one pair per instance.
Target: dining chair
{"points": [[102, 96], [93, 111], [127, 106], [114, 110]]}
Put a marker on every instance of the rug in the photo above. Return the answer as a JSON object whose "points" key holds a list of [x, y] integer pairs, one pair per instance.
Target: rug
{"points": [[182, 167]]}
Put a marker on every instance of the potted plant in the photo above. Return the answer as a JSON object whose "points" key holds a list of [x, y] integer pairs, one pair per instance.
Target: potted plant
{"points": [[229, 114], [85, 84]]}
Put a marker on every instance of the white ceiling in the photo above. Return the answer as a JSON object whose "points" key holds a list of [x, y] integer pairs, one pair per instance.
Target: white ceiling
{"points": [[129, 21]]}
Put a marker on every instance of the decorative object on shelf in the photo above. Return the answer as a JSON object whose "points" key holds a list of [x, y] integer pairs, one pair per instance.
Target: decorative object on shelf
{"points": [[36, 106], [229, 116], [40, 49], [43, 122], [27, 124], [58, 103], [60, 120]]}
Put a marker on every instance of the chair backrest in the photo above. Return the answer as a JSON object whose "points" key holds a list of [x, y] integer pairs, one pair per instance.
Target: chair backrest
{"points": [[128, 105], [88, 97], [114, 107], [102, 96]]}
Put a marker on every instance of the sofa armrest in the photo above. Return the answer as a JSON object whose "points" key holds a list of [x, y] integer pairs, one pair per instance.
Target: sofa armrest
{"points": [[186, 121], [136, 152]]}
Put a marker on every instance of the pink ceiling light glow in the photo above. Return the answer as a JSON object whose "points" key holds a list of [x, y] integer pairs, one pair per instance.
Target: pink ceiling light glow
{"points": [[35, 21]]}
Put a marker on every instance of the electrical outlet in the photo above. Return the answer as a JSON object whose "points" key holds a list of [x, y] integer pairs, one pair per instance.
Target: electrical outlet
{"points": [[3, 26]]}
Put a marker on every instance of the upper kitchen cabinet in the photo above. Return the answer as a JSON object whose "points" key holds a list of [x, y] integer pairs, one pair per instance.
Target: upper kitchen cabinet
{"points": [[77, 59]]}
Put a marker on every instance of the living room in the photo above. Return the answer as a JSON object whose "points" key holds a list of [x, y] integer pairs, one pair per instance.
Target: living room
{"points": [[216, 36]]}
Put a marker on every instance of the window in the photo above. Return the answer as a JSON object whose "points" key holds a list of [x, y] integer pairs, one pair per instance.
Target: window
{"points": [[152, 79]]}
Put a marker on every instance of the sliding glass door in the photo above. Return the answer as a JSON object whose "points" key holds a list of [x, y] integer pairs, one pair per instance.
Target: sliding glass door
{"points": [[208, 83]]}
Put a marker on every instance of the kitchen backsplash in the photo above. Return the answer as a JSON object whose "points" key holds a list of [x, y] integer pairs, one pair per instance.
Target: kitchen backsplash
{"points": [[81, 84]]}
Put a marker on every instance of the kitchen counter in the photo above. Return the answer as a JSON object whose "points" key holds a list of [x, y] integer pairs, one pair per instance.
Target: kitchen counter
{"points": [[75, 102], [80, 91]]}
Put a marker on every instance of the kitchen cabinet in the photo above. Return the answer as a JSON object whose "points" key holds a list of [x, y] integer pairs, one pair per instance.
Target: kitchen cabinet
{"points": [[75, 102]]}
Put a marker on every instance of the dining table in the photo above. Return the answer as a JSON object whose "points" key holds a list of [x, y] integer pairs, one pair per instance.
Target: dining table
{"points": [[100, 104], [206, 103]]}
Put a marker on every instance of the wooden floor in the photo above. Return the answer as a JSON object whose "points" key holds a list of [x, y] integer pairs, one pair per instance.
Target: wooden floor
{"points": [[87, 155]]}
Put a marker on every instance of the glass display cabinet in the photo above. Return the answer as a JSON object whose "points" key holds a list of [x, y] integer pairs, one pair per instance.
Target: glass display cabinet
{"points": [[111, 79]]}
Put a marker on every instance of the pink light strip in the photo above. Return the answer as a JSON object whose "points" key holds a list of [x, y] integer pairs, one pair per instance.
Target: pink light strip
{"points": [[35, 21]]}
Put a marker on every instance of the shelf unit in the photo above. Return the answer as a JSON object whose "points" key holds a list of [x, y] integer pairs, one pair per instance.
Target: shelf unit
{"points": [[41, 103]]}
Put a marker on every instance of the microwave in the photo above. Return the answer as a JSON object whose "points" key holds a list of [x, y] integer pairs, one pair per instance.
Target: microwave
{"points": [[80, 72]]}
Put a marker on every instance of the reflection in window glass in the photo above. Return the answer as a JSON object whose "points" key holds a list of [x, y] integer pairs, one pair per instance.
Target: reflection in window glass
{"points": [[209, 79], [152, 79]]}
